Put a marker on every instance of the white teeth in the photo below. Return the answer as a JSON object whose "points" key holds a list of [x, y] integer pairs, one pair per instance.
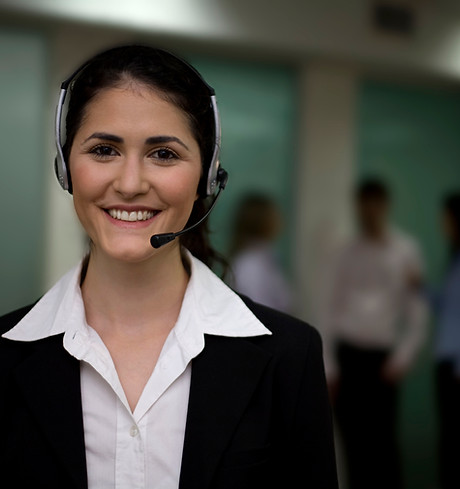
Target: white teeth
{"points": [[130, 216]]}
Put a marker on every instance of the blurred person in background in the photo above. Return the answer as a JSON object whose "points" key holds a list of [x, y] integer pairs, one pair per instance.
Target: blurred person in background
{"points": [[448, 351], [255, 267], [374, 328]]}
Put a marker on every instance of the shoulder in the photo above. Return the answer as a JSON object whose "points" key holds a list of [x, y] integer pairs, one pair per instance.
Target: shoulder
{"points": [[295, 369], [12, 353], [404, 241], [288, 333], [408, 250], [9, 321], [247, 261]]}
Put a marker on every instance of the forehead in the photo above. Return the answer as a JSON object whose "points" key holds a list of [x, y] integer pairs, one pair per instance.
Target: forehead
{"points": [[136, 102]]}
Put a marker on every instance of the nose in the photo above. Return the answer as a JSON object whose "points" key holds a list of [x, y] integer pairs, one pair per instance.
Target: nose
{"points": [[131, 179]]}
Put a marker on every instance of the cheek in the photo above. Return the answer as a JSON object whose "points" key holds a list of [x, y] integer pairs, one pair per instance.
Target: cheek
{"points": [[86, 188], [78, 174], [181, 188], [80, 182], [88, 180]]}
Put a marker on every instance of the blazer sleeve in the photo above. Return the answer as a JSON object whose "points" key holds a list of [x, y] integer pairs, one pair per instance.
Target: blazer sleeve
{"points": [[313, 454], [305, 450]]}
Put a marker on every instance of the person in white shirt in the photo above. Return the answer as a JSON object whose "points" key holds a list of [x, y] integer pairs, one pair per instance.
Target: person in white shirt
{"points": [[375, 326], [255, 269], [140, 368]]}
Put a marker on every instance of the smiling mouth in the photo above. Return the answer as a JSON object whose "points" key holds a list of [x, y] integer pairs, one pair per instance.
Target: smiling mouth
{"points": [[132, 216]]}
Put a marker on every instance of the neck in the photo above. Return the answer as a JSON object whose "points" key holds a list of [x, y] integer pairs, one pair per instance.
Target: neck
{"points": [[122, 297]]}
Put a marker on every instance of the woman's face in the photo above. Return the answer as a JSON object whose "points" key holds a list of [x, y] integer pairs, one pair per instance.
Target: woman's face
{"points": [[135, 169]]}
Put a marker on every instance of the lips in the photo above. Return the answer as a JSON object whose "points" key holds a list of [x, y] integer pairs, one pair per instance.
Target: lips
{"points": [[131, 216]]}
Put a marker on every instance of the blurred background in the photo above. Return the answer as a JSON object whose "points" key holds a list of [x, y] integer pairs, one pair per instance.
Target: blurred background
{"points": [[314, 96]]}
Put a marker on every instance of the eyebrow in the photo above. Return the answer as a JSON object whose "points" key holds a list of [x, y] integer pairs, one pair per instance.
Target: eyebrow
{"points": [[151, 140]]}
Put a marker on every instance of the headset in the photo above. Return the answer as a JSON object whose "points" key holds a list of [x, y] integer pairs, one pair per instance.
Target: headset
{"points": [[215, 176]]}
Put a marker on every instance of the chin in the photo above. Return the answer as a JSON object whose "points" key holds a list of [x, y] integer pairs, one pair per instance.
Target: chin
{"points": [[132, 252]]}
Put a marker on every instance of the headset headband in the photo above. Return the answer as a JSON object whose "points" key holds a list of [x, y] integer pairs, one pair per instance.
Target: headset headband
{"points": [[61, 166]]}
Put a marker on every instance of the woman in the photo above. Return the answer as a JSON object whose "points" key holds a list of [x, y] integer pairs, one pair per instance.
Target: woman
{"points": [[140, 368], [448, 351], [255, 268]]}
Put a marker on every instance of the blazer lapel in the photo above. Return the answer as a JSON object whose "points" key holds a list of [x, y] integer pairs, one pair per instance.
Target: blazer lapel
{"points": [[50, 381], [224, 376]]}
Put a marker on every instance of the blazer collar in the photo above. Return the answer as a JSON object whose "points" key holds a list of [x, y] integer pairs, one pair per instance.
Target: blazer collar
{"points": [[50, 382], [224, 377]]}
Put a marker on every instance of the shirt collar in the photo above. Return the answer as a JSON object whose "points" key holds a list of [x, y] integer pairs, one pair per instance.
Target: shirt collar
{"points": [[209, 304]]}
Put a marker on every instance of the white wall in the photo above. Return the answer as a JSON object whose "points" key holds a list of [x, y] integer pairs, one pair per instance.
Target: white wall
{"points": [[325, 177]]}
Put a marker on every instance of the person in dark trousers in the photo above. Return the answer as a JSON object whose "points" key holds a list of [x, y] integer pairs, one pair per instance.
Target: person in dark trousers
{"points": [[447, 352], [140, 368], [374, 331]]}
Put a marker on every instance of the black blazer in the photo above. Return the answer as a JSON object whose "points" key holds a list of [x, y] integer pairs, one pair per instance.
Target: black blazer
{"points": [[258, 414]]}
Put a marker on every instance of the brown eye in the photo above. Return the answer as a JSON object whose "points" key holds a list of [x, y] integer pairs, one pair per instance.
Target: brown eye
{"points": [[164, 154], [103, 151]]}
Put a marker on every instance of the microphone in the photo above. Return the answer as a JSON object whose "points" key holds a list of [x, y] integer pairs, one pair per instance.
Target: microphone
{"points": [[159, 240]]}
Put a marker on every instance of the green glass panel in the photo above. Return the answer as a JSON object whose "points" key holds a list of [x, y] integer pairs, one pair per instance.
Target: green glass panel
{"points": [[257, 103], [409, 137], [23, 65]]}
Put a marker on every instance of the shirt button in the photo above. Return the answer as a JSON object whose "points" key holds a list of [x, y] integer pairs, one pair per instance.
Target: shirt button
{"points": [[134, 431]]}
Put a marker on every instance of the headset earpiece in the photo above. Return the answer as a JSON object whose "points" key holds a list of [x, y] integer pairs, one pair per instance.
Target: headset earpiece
{"points": [[60, 166], [62, 174]]}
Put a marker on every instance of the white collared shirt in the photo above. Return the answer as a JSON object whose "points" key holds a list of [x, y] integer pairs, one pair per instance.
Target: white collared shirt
{"points": [[375, 303], [140, 449]]}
